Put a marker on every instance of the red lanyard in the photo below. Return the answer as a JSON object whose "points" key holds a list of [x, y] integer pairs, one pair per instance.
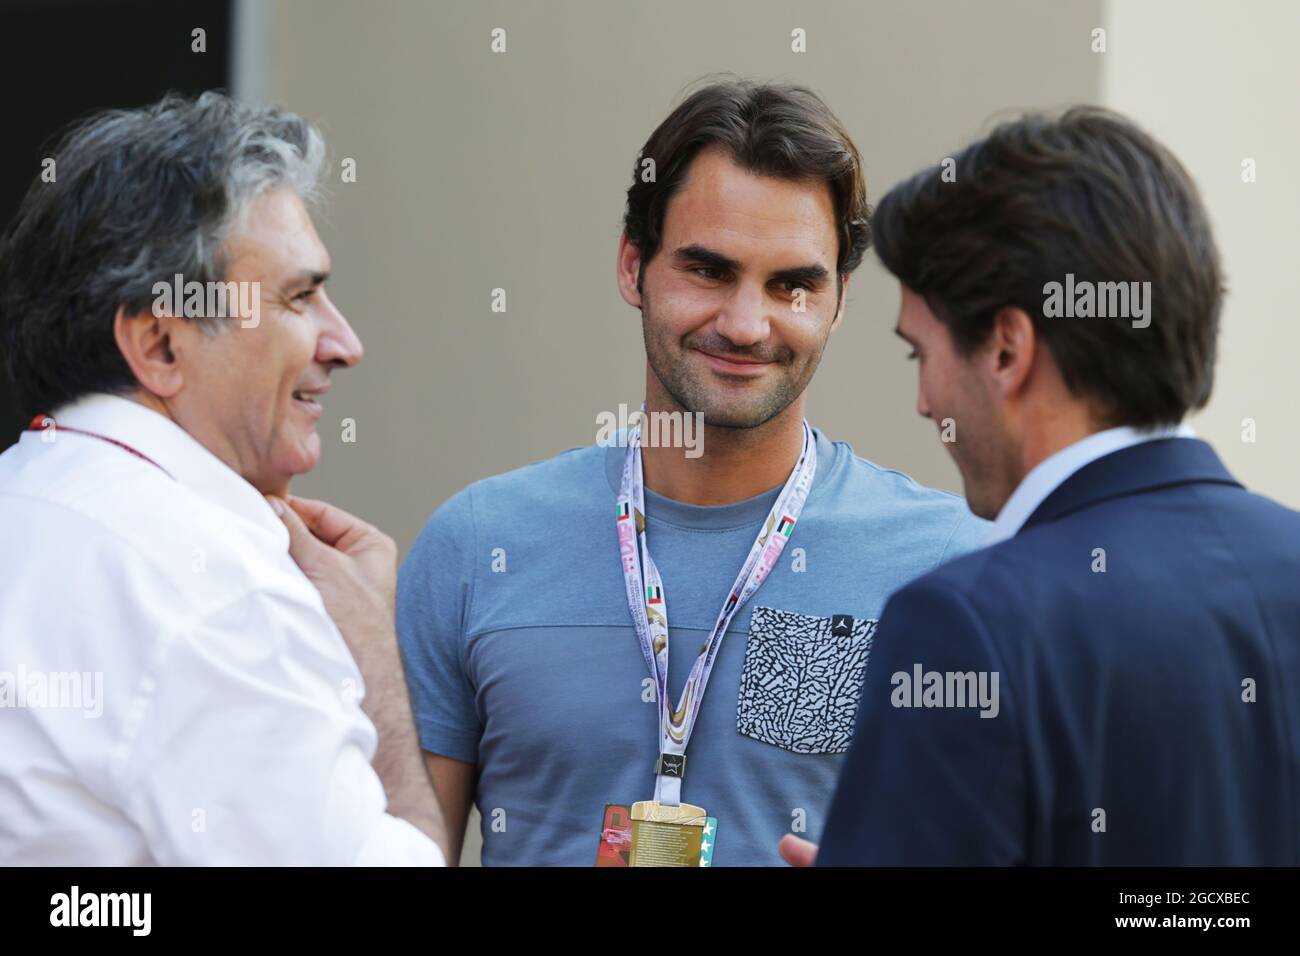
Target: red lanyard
{"points": [[41, 422]]}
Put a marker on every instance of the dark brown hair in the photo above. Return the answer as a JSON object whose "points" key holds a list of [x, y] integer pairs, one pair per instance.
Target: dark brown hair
{"points": [[777, 130], [1087, 194]]}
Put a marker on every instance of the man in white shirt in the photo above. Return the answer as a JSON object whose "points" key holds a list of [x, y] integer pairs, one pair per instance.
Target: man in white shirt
{"points": [[173, 689]]}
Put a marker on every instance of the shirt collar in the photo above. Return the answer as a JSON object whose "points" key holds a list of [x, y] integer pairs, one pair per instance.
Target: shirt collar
{"points": [[182, 456], [1051, 472], [716, 517]]}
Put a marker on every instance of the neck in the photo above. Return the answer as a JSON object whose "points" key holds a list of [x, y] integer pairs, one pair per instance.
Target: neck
{"points": [[733, 464], [151, 401], [1045, 435], [222, 450]]}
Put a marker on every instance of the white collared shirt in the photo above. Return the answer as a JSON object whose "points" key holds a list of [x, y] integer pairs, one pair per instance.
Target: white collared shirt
{"points": [[172, 690], [1050, 473]]}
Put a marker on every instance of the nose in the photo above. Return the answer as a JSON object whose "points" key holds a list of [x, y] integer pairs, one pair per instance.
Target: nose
{"points": [[922, 408], [337, 344], [743, 320]]}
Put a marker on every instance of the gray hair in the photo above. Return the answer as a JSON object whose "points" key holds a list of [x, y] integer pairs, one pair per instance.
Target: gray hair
{"points": [[138, 196]]}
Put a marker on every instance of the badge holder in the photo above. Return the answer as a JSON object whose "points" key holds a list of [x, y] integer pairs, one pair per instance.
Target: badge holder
{"points": [[666, 836]]}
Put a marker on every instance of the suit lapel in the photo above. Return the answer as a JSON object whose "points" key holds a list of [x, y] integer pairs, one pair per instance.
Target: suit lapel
{"points": [[1133, 470]]}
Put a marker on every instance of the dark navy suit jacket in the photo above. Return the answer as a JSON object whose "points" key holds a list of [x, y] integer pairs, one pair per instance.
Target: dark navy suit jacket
{"points": [[1148, 713]]}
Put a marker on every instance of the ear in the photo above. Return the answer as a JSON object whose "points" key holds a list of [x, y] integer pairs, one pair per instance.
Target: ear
{"points": [[844, 299], [1010, 350], [628, 271], [147, 342]]}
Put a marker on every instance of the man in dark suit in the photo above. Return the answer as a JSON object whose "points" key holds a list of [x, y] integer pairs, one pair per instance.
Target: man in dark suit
{"points": [[1115, 680]]}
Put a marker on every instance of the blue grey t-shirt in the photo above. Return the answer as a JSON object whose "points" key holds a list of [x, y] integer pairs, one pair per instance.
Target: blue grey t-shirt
{"points": [[521, 656]]}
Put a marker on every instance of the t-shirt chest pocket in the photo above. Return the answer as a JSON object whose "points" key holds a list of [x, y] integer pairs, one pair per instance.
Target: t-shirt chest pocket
{"points": [[800, 683]]}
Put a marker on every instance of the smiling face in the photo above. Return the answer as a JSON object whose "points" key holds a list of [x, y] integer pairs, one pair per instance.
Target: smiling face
{"points": [[252, 395], [720, 300]]}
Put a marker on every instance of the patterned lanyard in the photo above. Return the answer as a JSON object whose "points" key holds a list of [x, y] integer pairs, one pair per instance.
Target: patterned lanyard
{"points": [[649, 606], [42, 423]]}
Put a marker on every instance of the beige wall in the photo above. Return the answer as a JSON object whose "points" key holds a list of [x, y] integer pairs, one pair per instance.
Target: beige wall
{"points": [[1218, 84], [478, 171]]}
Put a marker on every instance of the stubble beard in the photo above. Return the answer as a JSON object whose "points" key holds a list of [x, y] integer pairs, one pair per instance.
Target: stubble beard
{"points": [[669, 360]]}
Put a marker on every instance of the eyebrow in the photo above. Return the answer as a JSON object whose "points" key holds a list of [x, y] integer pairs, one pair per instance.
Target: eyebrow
{"points": [[702, 255], [899, 333], [310, 277], [809, 275]]}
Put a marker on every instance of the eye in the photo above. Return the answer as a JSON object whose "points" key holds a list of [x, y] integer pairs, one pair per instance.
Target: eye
{"points": [[792, 284], [712, 273], [911, 356], [305, 295]]}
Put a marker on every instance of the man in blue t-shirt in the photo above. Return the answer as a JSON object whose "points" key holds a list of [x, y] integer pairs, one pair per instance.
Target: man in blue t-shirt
{"points": [[532, 611]]}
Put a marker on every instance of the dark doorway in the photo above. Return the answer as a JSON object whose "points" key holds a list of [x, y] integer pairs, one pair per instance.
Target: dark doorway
{"points": [[61, 60]]}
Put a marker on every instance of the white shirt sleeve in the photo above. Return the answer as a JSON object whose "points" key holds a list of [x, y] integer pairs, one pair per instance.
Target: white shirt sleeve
{"points": [[396, 842], [246, 744]]}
